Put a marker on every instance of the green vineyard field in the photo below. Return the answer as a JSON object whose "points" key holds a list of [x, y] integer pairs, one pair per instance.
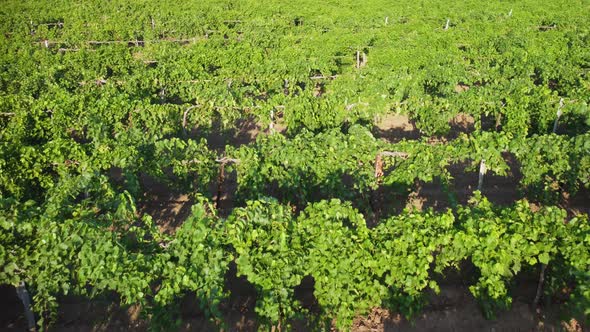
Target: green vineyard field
{"points": [[361, 153]]}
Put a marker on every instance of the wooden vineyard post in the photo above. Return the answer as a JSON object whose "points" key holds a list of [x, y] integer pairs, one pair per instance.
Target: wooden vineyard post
{"points": [[482, 171], [361, 59], [498, 120], [272, 121], [379, 172], [276, 328], [558, 115], [539, 286], [162, 94], [221, 178], [23, 295], [386, 20], [510, 13], [447, 25], [374, 197], [184, 117], [378, 168]]}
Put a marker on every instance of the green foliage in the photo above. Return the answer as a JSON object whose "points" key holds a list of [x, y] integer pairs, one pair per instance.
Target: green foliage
{"points": [[263, 239], [310, 167], [186, 165], [95, 97], [574, 248], [405, 250], [500, 241], [194, 260], [288, 163], [339, 256]]}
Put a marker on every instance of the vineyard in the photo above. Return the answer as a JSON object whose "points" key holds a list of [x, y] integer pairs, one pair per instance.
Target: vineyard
{"points": [[334, 158]]}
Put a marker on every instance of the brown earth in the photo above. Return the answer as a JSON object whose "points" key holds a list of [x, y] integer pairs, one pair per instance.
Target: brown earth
{"points": [[453, 309], [395, 127]]}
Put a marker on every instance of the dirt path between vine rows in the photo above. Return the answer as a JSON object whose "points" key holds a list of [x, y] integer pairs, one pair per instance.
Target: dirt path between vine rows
{"points": [[454, 309]]}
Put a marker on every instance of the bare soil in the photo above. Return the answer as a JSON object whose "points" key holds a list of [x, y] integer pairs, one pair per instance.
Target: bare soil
{"points": [[453, 309], [461, 123], [167, 208], [395, 127]]}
